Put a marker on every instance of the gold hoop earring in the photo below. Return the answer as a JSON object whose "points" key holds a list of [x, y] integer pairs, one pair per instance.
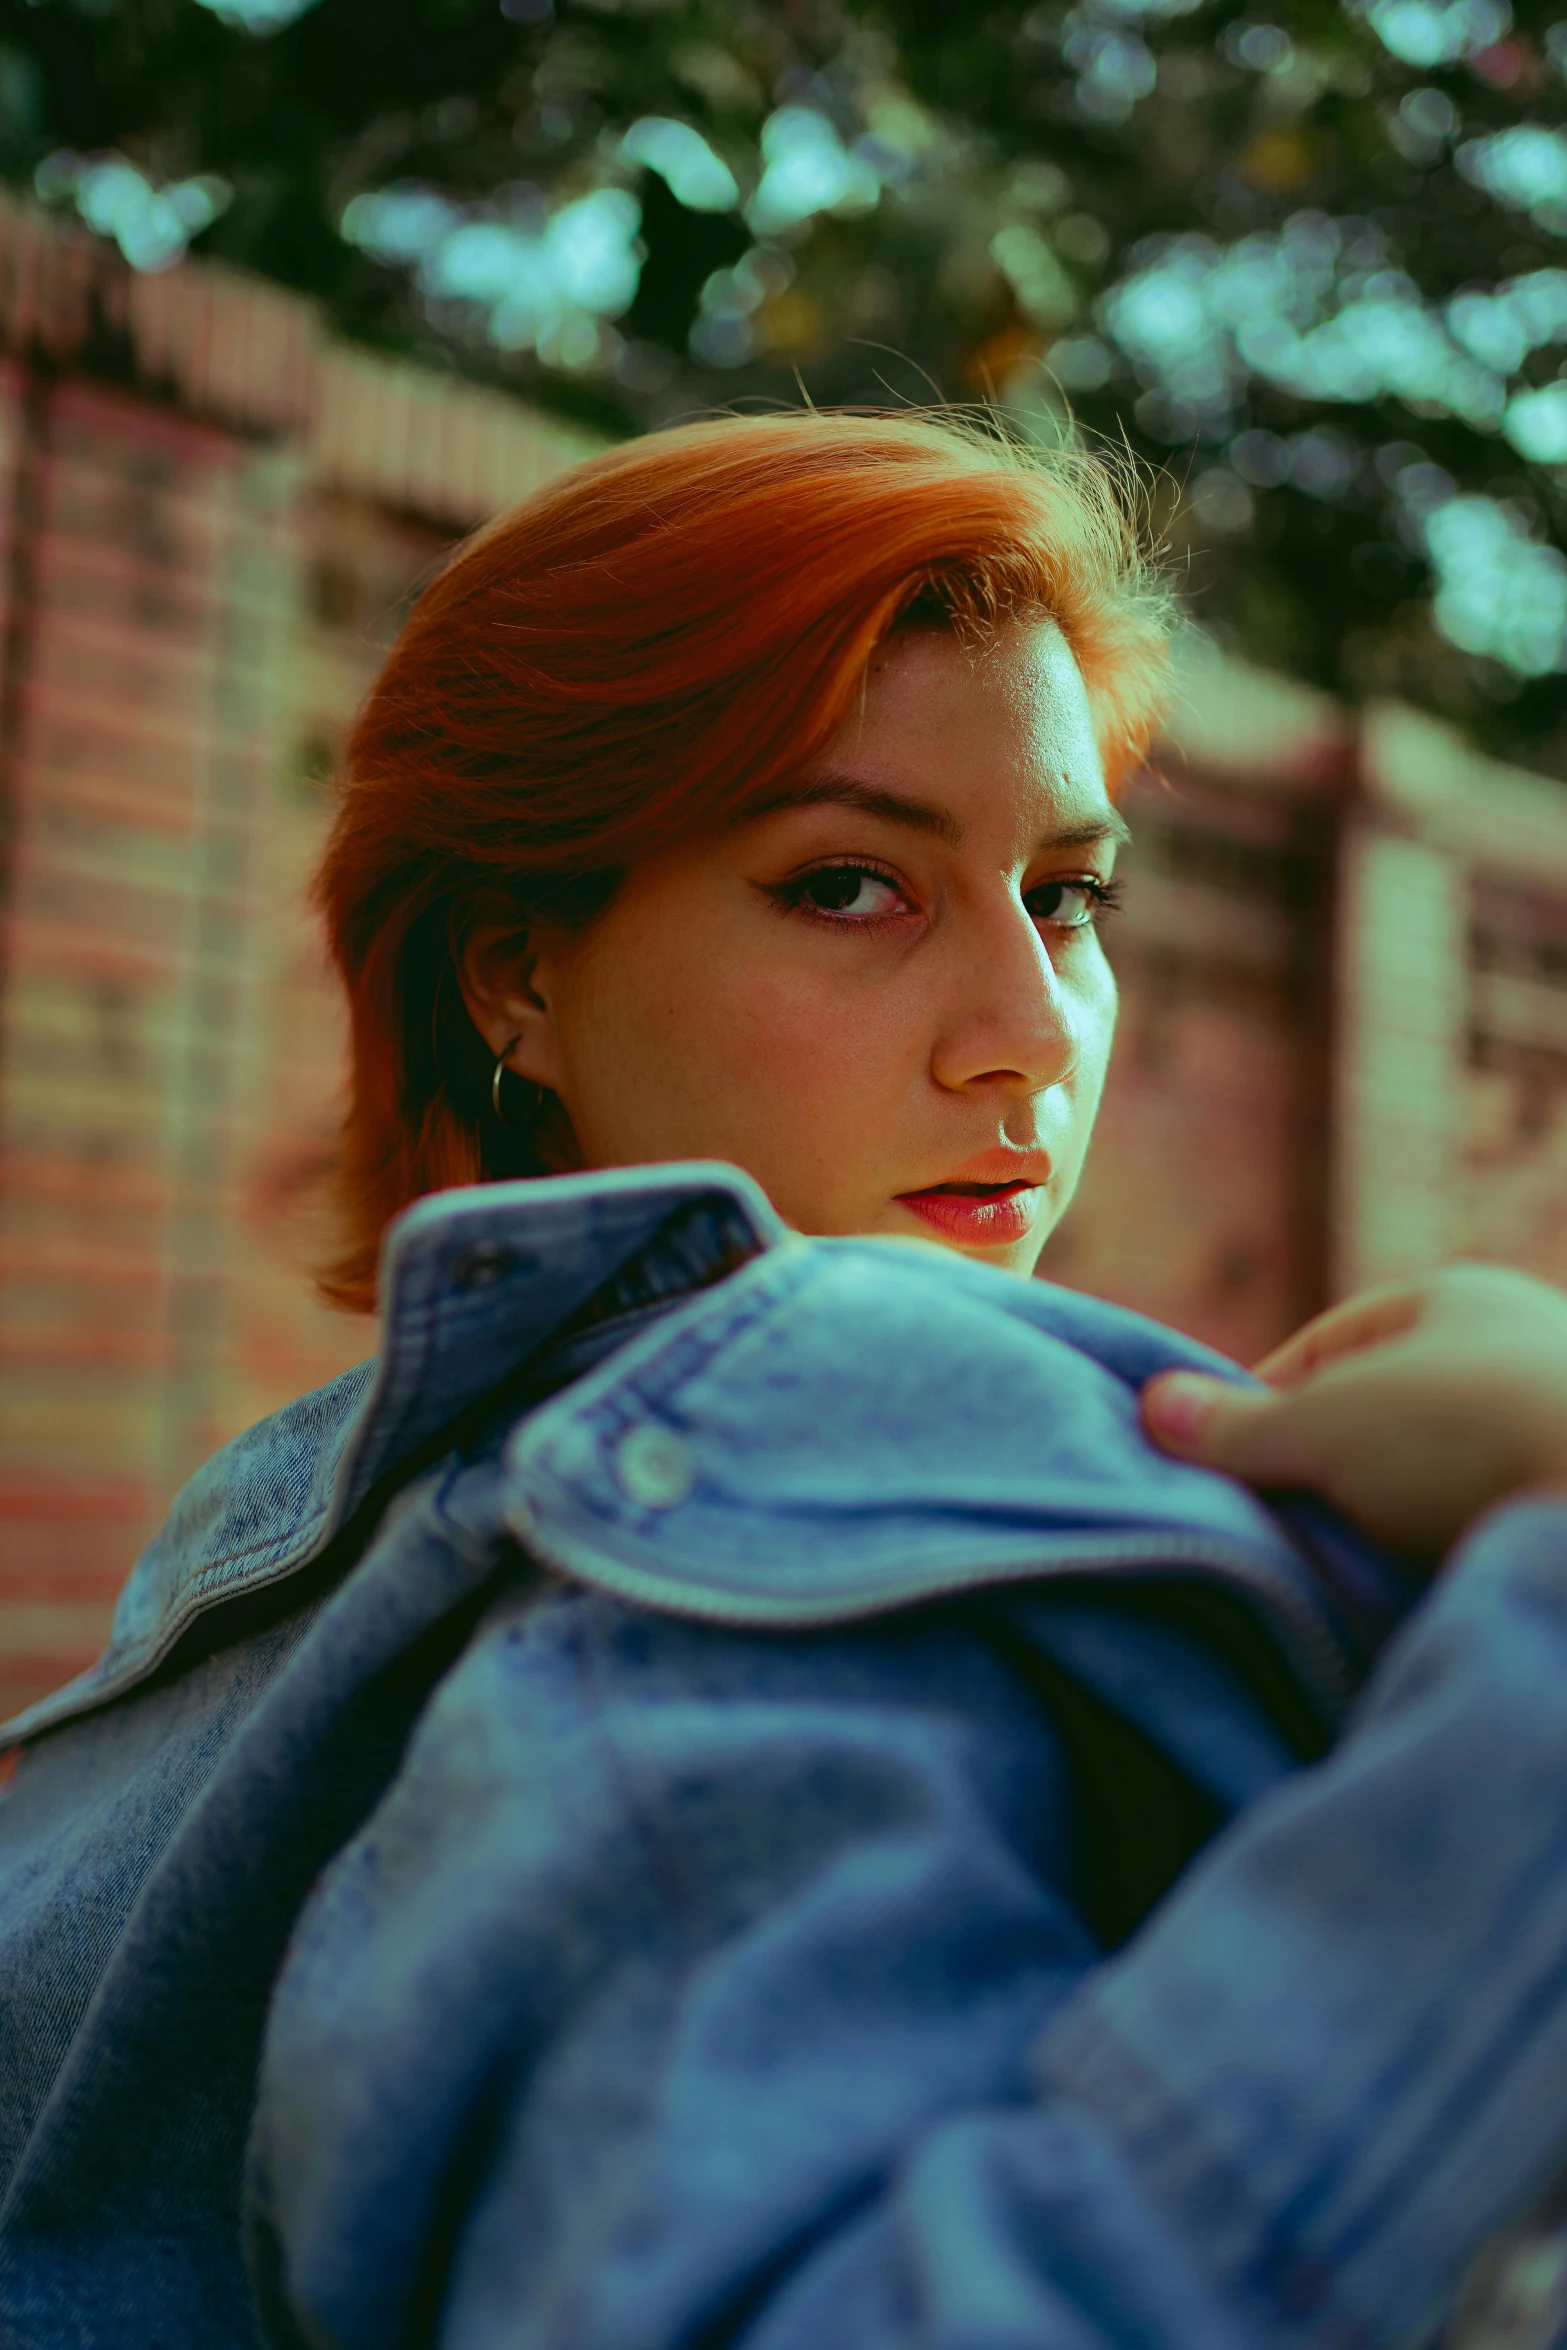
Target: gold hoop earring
{"points": [[499, 1072]]}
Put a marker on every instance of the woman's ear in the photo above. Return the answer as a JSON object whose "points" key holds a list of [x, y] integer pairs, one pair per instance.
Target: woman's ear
{"points": [[503, 987]]}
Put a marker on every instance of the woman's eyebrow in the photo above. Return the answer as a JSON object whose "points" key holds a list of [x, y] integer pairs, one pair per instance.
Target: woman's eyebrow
{"points": [[1110, 826], [843, 791]]}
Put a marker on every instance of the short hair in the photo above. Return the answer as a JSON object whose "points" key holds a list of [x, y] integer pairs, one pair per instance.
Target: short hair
{"points": [[647, 648]]}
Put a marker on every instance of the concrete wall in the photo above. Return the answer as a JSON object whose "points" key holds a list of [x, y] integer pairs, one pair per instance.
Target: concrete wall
{"points": [[1343, 1051]]}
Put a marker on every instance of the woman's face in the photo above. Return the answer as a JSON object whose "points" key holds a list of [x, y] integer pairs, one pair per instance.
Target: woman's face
{"points": [[885, 997]]}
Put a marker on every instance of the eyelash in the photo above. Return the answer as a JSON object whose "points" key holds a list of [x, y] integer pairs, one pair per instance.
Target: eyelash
{"points": [[789, 896]]}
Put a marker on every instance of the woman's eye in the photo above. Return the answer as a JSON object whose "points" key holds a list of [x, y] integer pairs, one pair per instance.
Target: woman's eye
{"points": [[847, 890], [1069, 905]]}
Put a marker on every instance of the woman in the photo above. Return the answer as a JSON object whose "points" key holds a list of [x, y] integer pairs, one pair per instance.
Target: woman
{"points": [[617, 1824]]}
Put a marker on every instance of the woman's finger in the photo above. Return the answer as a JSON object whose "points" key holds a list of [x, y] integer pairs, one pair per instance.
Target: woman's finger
{"points": [[1370, 1319], [1259, 1437]]}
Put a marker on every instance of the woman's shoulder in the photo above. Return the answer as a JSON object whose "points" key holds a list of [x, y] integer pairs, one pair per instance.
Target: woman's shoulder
{"points": [[475, 1281], [254, 1510]]}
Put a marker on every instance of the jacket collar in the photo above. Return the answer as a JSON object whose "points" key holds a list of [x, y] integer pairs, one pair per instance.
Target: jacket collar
{"points": [[846, 1428], [476, 1281]]}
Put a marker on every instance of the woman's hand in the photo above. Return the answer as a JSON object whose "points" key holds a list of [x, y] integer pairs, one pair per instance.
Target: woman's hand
{"points": [[1411, 1408]]}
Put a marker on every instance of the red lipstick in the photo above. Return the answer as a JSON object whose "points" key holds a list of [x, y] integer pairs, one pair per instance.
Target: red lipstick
{"points": [[985, 1215]]}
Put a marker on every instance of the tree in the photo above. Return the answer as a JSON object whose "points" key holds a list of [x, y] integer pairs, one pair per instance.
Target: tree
{"points": [[1309, 257]]}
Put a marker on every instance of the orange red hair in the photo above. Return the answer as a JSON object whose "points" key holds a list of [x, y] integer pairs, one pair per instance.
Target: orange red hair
{"points": [[646, 648]]}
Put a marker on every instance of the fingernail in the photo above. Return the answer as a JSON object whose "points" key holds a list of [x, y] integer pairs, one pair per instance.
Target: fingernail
{"points": [[1178, 1404]]}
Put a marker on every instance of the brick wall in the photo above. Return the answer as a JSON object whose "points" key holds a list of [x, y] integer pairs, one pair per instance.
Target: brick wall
{"points": [[1204, 1201], [201, 565], [1511, 1112], [149, 590], [357, 568], [1473, 900], [1343, 962]]}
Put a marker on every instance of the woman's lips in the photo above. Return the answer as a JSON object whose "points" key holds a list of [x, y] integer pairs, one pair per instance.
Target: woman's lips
{"points": [[987, 1214]]}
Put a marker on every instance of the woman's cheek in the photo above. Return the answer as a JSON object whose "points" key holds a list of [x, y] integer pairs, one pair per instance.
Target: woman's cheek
{"points": [[805, 1016]]}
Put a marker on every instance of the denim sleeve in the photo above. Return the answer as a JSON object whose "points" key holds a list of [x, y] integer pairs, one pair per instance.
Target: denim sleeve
{"points": [[1336, 2059], [695, 1988]]}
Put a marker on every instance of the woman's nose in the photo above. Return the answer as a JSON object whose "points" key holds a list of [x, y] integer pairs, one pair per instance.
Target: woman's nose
{"points": [[1010, 1022]]}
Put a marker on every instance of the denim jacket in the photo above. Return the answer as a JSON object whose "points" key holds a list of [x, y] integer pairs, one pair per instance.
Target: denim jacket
{"points": [[720, 1794]]}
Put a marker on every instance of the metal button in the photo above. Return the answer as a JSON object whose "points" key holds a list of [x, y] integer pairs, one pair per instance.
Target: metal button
{"points": [[655, 1467], [482, 1265]]}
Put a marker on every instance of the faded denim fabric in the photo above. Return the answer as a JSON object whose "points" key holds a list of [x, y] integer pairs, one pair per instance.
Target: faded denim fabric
{"points": [[648, 1818]]}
